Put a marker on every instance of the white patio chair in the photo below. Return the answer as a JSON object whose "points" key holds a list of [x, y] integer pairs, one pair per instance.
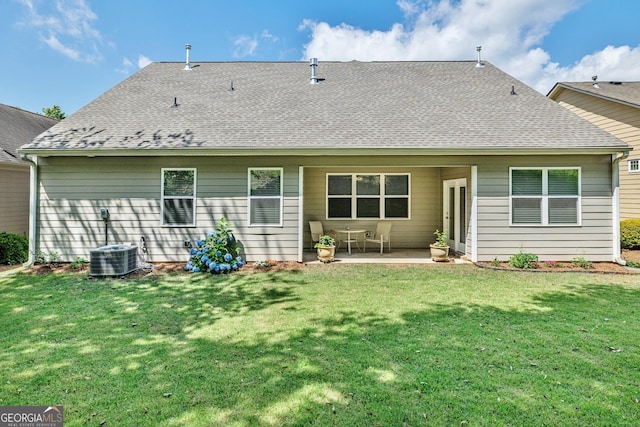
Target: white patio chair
{"points": [[316, 231], [382, 236]]}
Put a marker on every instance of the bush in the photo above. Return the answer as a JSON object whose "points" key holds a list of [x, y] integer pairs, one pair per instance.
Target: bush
{"points": [[14, 248], [217, 253], [523, 260], [630, 233]]}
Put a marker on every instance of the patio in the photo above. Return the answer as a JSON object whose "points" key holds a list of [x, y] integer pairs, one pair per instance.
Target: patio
{"points": [[396, 256]]}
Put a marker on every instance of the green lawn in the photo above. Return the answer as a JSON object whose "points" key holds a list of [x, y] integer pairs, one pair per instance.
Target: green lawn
{"points": [[343, 345]]}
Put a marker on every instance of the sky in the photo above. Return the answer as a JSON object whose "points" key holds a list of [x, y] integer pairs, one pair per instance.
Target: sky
{"points": [[69, 52]]}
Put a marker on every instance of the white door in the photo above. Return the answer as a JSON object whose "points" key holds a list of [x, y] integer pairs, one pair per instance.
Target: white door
{"points": [[454, 212]]}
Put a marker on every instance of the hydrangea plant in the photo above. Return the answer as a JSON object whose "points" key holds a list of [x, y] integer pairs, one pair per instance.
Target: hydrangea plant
{"points": [[217, 253]]}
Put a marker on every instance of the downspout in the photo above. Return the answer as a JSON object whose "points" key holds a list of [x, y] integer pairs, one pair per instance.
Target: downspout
{"points": [[33, 206], [615, 185]]}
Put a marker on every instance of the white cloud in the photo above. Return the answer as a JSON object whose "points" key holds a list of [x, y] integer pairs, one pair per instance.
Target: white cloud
{"points": [[143, 61], [66, 26], [509, 31], [244, 45]]}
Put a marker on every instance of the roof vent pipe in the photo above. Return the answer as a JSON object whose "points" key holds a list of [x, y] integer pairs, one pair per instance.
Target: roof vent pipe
{"points": [[595, 82], [187, 66], [313, 62], [479, 64]]}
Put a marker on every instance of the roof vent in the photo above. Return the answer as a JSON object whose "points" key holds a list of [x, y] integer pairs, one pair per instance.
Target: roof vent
{"points": [[615, 83], [313, 62], [479, 64], [595, 82], [187, 66]]}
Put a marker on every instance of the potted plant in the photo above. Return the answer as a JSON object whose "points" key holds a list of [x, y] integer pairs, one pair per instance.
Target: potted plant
{"points": [[326, 248], [440, 249]]}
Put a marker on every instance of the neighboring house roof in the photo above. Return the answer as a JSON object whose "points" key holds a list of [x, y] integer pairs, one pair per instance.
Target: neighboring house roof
{"points": [[385, 107], [18, 127], [627, 93]]}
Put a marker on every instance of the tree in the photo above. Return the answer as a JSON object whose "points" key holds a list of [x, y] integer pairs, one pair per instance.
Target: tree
{"points": [[54, 112]]}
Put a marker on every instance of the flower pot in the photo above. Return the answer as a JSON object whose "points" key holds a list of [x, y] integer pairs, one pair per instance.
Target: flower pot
{"points": [[326, 253], [439, 253]]}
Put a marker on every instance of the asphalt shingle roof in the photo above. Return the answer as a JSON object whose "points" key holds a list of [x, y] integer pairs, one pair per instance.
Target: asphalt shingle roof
{"points": [[18, 127], [359, 105], [626, 92]]}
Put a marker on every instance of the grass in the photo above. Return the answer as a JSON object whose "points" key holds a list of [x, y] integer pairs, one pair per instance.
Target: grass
{"points": [[327, 345]]}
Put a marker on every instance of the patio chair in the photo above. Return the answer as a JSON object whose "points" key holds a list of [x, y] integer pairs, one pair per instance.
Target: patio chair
{"points": [[382, 236], [316, 231]]}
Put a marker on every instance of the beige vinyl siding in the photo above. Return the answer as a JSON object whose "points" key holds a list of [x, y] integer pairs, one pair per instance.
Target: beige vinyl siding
{"points": [[14, 200], [425, 205], [73, 190], [623, 122], [592, 240]]}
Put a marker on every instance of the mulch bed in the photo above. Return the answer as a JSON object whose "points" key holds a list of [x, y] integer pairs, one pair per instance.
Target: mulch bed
{"points": [[178, 267]]}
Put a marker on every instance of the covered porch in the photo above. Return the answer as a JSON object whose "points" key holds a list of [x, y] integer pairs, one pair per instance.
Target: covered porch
{"points": [[416, 200]]}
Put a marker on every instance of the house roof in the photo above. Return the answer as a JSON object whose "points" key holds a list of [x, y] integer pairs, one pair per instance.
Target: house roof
{"points": [[18, 127], [627, 93], [449, 107]]}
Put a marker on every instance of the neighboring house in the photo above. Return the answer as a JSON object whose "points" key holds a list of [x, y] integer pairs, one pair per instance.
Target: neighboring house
{"points": [[17, 127], [614, 107], [426, 145]]}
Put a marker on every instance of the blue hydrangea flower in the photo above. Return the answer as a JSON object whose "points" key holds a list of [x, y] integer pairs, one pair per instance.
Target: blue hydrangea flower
{"points": [[212, 234], [200, 242], [188, 266], [199, 253], [219, 241], [216, 269], [234, 266], [205, 250], [228, 257], [230, 238], [218, 254], [196, 269], [193, 251]]}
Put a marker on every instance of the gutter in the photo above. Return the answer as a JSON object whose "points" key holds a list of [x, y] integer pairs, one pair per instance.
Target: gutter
{"points": [[615, 185], [33, 206]]}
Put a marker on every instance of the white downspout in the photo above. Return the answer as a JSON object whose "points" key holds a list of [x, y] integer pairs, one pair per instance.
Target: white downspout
{"points": [[33, 207], [615, 204]]}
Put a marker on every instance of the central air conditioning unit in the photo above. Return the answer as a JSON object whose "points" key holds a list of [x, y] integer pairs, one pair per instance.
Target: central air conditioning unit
{"points": [[113, 260]]}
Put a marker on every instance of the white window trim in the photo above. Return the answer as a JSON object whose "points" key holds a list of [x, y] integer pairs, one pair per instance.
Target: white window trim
{"points": [[637, 166], [163, 197], [545, 197], [354, 197], [250, 197]]}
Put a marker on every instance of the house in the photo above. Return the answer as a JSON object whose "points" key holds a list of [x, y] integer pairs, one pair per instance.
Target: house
{"points": [[458, 145], [17, 127], [615, 107]]}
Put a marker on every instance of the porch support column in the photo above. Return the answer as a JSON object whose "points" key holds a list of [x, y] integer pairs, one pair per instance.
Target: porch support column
{"points": [[474, 213], [300, 213]]}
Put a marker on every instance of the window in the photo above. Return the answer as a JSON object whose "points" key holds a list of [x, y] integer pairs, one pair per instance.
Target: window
{"points": [[178, 197], [634, 165], [363, 196], [265, 196], [545, 196]]}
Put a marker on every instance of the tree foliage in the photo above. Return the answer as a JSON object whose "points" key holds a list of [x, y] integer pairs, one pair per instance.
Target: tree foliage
{"points": [[54, 112]]}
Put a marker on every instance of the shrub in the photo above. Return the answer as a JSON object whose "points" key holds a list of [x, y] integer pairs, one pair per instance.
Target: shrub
{"points": [[217, 253], [79, 263], [14, 248], [582, 262], [630, 233], [523, 260]]}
